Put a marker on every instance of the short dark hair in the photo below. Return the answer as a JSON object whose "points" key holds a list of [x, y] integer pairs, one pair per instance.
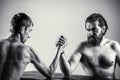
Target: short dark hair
{"points": [[19, 20], [97, 17]]}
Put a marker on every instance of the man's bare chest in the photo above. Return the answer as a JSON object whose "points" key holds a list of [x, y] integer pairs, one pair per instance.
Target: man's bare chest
{"points": [[103, 57]]}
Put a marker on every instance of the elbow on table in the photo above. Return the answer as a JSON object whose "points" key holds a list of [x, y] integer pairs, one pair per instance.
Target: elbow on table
{"points": [[51, 72], [49, 76], [67, 73]]}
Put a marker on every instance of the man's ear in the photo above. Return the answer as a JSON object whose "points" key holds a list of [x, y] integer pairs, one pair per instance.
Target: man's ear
{"points": [[103, 29], [22, 29], [11, 29]]}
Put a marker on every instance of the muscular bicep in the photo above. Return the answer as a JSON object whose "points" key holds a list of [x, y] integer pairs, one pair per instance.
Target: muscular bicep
{"points": [[118, 59], [116, 47], [74, 60], [76, 56]]}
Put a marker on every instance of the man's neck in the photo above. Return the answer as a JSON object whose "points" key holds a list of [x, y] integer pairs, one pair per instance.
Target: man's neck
{"points": [[103, 42], [15, 37]]}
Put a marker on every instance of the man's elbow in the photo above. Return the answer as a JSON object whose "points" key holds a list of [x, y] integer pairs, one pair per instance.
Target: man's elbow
{"points": [[51, 72], [49, 75], [67, 72]]}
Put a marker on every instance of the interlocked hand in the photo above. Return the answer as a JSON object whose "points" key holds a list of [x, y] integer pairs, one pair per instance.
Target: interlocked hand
{"points": [[61, 42]]}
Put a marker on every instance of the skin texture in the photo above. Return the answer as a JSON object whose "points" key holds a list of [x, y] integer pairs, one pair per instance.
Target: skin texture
{"points": [[15, 56], [98, 56]]}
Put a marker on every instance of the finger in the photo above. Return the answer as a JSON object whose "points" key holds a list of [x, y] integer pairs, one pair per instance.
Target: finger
{"points": [[63, 38], [59, 39], [61, 43]]}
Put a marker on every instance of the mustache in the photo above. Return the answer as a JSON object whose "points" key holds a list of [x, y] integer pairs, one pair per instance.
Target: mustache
{"points": [[93, 37]]}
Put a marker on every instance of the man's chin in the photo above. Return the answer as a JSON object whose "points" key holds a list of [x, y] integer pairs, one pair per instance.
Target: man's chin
{"points": [[93, 42]]}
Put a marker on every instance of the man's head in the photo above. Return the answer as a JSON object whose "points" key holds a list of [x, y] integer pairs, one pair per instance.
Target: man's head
{"points": [[96, 26], [21, 24]]}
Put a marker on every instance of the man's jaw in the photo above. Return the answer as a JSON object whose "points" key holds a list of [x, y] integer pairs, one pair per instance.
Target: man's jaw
{"points": [[94, 41]]}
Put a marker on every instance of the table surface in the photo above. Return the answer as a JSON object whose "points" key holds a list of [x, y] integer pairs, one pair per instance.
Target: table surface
{"points": [[35, 75]]}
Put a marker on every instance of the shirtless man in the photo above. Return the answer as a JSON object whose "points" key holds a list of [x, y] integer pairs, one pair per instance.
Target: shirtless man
{"points": [[98, 56], [15, 55]]}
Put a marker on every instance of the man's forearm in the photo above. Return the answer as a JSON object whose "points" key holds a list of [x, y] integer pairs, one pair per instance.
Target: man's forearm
{"points": [[64, 65], [54, 63]]}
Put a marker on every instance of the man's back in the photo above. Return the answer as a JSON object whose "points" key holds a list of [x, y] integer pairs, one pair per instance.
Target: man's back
{"points": [[13, 59]]}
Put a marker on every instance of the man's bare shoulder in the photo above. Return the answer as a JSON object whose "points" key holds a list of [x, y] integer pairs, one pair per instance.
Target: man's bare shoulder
{"points": [[81, 46], [20, 47], [110, 42], [4, 42], [113, 44], [22, 51]]}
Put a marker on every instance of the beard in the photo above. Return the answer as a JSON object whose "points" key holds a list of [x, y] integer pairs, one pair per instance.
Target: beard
{"points": [[95, 40]]}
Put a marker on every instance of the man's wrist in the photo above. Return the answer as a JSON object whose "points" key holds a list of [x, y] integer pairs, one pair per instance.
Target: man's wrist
{"points": [[62, 52]]}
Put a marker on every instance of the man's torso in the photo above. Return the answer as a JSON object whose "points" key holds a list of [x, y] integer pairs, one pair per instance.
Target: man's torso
{"points": [[99, 61], [13, 60]]}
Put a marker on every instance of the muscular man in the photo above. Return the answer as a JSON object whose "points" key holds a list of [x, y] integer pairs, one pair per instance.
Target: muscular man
{"points": [[98, 56], [15, 55]]}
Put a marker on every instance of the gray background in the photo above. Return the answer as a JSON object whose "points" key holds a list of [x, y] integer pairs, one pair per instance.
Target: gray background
{"points": [[55, 17]]}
